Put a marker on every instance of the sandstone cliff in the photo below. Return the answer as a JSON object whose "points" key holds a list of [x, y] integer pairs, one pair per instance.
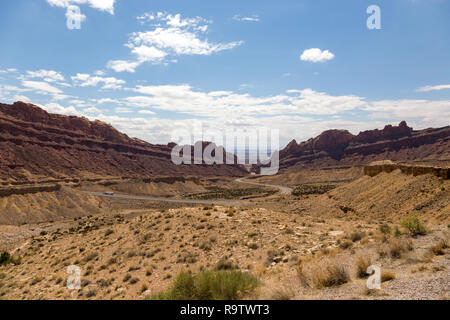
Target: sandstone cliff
{"points": [[340, 147], [36, 145]]}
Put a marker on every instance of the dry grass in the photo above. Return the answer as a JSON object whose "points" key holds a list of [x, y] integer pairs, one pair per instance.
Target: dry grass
{"points": [[362, 263], [396, 248], [323, 274], [439, 249], [387, 276], [282, 293]]}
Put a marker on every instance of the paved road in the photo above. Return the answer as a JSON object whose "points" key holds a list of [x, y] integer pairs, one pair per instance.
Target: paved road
{"points": [[283, 190]]}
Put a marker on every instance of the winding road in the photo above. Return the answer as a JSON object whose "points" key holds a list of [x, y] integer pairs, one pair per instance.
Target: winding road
{"points": [[283, 190]]}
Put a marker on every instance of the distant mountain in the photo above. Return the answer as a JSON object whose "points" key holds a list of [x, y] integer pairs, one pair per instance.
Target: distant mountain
{"points": [[36, 145], [340, 147]]}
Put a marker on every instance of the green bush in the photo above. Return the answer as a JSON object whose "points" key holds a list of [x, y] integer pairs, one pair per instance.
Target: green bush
{"points": [[210, 285], [385, 229], [413, 224], [5, 258]]}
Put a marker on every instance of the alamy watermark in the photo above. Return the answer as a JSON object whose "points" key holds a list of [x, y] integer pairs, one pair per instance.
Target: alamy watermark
{"points": [[74, 280], [253, 147], [374, 281], [374, 20], [74, 17]]}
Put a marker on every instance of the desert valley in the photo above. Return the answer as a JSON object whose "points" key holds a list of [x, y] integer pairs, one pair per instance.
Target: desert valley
{"points": [[75, 192]]}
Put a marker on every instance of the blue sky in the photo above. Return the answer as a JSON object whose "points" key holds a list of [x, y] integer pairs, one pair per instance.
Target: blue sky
{"points": [[151, 67]]}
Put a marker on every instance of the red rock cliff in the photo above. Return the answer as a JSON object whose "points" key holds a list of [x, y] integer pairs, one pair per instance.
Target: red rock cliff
{"points": [[35, 144]]}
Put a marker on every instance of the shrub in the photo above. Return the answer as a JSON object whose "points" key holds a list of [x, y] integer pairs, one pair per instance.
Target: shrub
{"points": [[356, 236], [144, 288], [205, 245], [127, 277], [385, 229], [398, 247], [91, 293], [397, 232], [414, 225], [134, 280], [330, 276], [438, 250], [230, 212], [345, 245], [149, 271], [225, 264], [5, 258], [210, 285], [252, 245], [282, 294], [387, 276], [362, 264]]}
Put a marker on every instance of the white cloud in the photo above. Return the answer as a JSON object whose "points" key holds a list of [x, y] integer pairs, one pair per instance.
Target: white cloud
{"points": [[99, 73], [46, 75], [9, 70], [170, 37], [57, 108], [316, 55], [41, 87], [253, 18], [106, 100], [91, 110], [434, 88], [425, 112], [122, 110], [102, 5], [226, 104], [22, 98], [123, 65], [86, 80], [298, 114], [146, 112], [145, 53], [179, 41]]}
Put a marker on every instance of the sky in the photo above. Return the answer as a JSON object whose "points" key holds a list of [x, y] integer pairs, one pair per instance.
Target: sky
{"points": [[301, 67]]}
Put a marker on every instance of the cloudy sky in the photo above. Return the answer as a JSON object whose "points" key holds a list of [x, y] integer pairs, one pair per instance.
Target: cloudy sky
{"points": [[300, 66]]}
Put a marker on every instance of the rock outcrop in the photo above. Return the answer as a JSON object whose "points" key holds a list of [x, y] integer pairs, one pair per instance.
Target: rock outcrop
{"points": [[377, 167], [340, 147], [36, 145]]}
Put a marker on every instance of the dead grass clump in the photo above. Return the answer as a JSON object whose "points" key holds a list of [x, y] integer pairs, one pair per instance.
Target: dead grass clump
{"points": [[282, 293], [91, 256], [387, 276], [230, 212], [225, 264], [149, 271], [439, 249], [356, 236], [322, 275], [252, 245], [330, 276], [205, 245], [362, 263], [345, 245], [396, 249]]}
